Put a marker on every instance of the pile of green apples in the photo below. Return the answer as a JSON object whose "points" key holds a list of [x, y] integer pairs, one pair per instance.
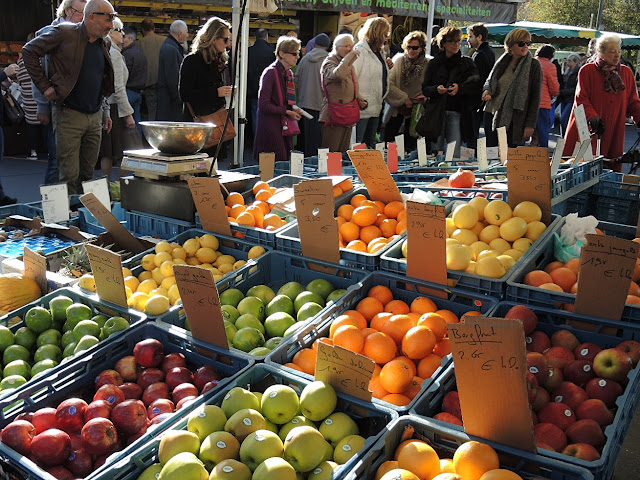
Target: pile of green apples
{"points": [[261, 436], [48, 337], [256, 322]]}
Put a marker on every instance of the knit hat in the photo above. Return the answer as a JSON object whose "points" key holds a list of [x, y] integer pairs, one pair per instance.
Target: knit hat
{"points": [[323, 40]]}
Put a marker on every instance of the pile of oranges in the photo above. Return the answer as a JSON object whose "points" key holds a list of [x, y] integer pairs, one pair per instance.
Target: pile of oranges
{"points": [[415, 459], [407, 342], [368, 226]]}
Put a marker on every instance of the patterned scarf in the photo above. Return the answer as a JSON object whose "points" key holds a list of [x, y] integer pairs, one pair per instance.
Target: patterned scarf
{"points": [[412, 69], [291, 88], [613, 83]]}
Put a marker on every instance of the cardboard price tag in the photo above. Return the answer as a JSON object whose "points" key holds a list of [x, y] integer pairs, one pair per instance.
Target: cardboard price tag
{"points": [[207, 197], [529, 178], [450, 151], [581, 123], [35, 268], [107, 271], [345, 371], [267, 162], [375, 175], [491, 371], [392, 157], [426, 232], [316, 224], [100, 188], [606, 269], [399, 141], [202, 304], [638, 228], [55, 202], [334, 163]]}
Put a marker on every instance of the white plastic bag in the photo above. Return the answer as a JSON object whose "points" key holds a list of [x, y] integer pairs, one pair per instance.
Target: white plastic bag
{"points": [[568, 244]]}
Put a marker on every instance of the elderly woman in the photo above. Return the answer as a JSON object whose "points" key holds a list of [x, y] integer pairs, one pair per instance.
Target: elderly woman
{"points": [[276, 99], [608, 92], [340, 86], [372, 74], [405, 86], [569, 91], [512, 91]]}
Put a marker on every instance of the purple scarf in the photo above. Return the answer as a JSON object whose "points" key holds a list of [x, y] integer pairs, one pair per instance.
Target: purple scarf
{"points": [[612, 81]]}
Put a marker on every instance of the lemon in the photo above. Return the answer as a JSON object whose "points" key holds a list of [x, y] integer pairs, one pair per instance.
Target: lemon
{"points": [[193, 261], [477, 247], [465, 216], [239, 264], [499, 245], [206, 255], [528, 211], [126, 272], [471, 268], [478, 227], [174, 294], [487, 253], [450, 226], [131, 282], [157, 276], [217, 277], [479, 203], [178, 253], [206, 265], [179, 261], [513, 229], [87, 282], [497, 212], [225, 268], [534, 230], [209, 241], [191, 246], [128, 291], [161, 258], [166, 269], [159, 291], [148, 261], [513, 253], [145, 276], [506, 261], [458, 257], [464, 236], [522, 244], [488, 233], [138, 300], [163, 246], [168, 282], [147, 285], [157, 305], [256, 251], [222, 259], [451, 241], [490, 267]]}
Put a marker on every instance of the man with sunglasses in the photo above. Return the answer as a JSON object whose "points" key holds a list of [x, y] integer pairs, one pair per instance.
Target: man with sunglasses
{"points": [[79, 79]]}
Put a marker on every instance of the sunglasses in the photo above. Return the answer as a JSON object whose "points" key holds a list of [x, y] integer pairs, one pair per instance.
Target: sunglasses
{"points": [[226, 39], [522, 44], [111, 15], [116, 30], [414, 47], [295, 54]]}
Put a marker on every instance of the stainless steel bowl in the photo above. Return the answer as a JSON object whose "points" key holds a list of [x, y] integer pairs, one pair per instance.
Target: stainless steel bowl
{"points": [[177, 137]]}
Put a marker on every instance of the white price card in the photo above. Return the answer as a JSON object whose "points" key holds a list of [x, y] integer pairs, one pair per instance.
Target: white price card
{"points": [[399, 141], [584, 146], [493, 152], [503, 144], [55, 202], [451, 148], [581, 123], [557, 157], [467, 153], [422, 152], [380, 146], [323, 156], [297, 163], [483, 163], [100, 188]]}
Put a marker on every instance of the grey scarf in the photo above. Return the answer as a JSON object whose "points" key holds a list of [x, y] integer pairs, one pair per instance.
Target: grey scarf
{"points": [[516, 96]]}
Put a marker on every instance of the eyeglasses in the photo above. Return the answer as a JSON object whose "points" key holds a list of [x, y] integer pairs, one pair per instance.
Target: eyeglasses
{"points": [[414, 47], [457, 40], [295, 54], [522, 44], [111, 15], [76, 11], [116, 30]]}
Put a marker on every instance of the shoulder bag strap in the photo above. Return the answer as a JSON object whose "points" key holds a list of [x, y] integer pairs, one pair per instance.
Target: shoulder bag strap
{"points": [[193, 114], [279, 85]]}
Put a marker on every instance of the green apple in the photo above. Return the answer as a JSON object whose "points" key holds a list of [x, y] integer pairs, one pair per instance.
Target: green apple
{"points": [[77, 312], [307, 311], [251, 305], [279, 403], [49, 337], [263, 292], [305, 297], [52, 352], [337, 426], [151, 472], [218, 446], [230, 313], [231, 296], [17, 367], [297, 421], [291, 290], [277, 323], [6, 337], [43, 366], [174, 442], [38, 319], [67, 338], [24, 337], [86, 327], [183, 466], [304, 448], [12, 382], [100, 319], [69, 350], [272, 427], [206, 420], [324, 471], [249, 320], [114, 325], [274, 468], [347, 448], [293, 328], [318, 400], [230, 470], [320, 286], [258, 446], [58, 307], [328, 452], [273, 342], [336, 294], [280, 303], [259, 351], [15, 352], [245, 421], [85, 343], [238, 398]]}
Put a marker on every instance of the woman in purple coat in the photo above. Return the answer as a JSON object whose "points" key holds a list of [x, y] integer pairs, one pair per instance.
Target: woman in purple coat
{"points": [[277, 97]]}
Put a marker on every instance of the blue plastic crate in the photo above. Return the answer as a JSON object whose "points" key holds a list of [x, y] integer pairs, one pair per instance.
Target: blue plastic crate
{"points": [[281, 181], [586, 329], [585, 171], [46, 243], [458, 301], [613, 200], [628, 232], [77, 378], [445, 441], [140, 223], [260, 236], [372, 421], [90, 224], [578, 203], [25, 209]]}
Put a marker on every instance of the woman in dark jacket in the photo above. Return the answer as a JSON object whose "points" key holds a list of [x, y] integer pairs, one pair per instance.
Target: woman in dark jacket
{"points": [[568, 92], [9, 71], [453, 78]]}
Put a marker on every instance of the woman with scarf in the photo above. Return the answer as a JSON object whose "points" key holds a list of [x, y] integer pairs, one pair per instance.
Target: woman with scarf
{"points": [[608, 92], [405, 87], [276, 99], [454, 79], [513, 91]]}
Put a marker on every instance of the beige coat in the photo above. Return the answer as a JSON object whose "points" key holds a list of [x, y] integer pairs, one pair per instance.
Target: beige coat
{"points": [[398, 95], [336, 72]]}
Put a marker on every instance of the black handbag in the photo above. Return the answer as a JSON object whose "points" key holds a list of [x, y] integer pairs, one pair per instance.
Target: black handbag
{"points": [[13, 113], [431, 123]]}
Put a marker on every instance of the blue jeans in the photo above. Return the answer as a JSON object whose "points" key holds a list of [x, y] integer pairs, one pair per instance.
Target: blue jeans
{"points": [[366, 130], [51, 176], [135, 99], [451, 133], [544, 125]]}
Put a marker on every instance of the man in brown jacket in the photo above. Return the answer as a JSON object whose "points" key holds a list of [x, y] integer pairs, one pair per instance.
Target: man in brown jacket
{"points": [[80, 77]]}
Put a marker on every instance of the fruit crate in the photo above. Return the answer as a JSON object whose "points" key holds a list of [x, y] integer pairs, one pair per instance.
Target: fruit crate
{"points": [[578, 203], [281, 181], [457, 301], [90, 224], [462, 194], [141, 224], [372, 421], [586, 171], [25, 209], [602, 332], [77, 379], [517, 291], [445, 441], [392, 261], [613, 200]]}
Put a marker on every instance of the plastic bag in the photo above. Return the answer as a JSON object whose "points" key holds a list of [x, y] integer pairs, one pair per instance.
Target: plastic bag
{"points": [[416, 114], [568, 244]]}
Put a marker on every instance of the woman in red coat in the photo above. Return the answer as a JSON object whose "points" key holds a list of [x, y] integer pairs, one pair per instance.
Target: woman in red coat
{"points": [[607, 90]]}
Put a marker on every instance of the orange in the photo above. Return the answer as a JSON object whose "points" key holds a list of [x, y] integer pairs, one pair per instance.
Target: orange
{"points": [[358, 199], [418, 342], [345, 211], [385, 467], [395, 376], [343, 320], [365, 215], [423, 305], [552, 266], [397, 307], [472, 313], [376, 370], [349, 231], [448, 315], [264, 195], [349, 337], [401, 446], [346, 185], [397, 399], [272, 220], [436, 323], [356, 315], [573, 265], [632, 299], [369, 307], [260, 185], [368, 331], [447, 476], [227, 209], [369, 233], [473, 459], [388, 227], [379, 320], [340, 221], [306, 360], [564, 277], [392, 209], [375, 247], [409, 363], [446, 464], [264, 206], [402, 216], [337, 191], [381, 217], [379, 347], [414, 388], [293, 365], [442, 348], [399, 474], [401, 227], [245, 218], [382, 293], [420, 458], [428, 365], [235, 198], [326, 340], [500, 474], [397, 326], [257, 215], [357, 245], [376, 388], [535, 278], [551, 286], [237, 210], [380, 206]]}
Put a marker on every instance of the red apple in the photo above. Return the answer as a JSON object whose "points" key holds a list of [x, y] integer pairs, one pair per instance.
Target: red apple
{"points": [[129, 417], [184, 390], [160, 418], [537, 364], [538, 341], [527, 316], [542, 398], [595, 409], [70, 414], [570, 394], [98, 436], [128, 368], [60, 473], [451, 404], [612, 364], [149, 352], [100, 461], [204, 375], [555, 379], [534, 418], [131, 390], [108, 377], [176, 376], [447, 417], [551, 435], [173, 360], [559, 357], [51, 448], [583, 451], [184, 401], [606, 390], [136, 436], [587, 351], [19, 435], [579, 372], [560, 414], [44, 419], [209, 386], [162, 405], [76, 441], [154, 392], [80, 463], [150, 376], [28, 416], [111, 393], [586, 431], [564, 338], [545, 446], [98, 409], [532, 386], [631, 348]]}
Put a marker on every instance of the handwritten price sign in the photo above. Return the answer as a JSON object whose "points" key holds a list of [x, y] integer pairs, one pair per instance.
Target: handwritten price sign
{"points": [[375, 175], [529, 178], [107, 270], [426, 232], [346, 371], [208, 200]]}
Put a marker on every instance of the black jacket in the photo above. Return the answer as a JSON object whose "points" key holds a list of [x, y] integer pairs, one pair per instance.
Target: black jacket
{"points": [[484, 58], [137, 65], [261, 55], [199, 83], [569, 91]]}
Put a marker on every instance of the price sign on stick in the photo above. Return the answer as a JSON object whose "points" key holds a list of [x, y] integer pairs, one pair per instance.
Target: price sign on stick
{"points": [[467, 153], [581, 123], [399, 141], [503, 144], [606, 269], [100, 188], [392, 157], [334, 163], [422, 152], [483, 162], [529, 178], [107, 271], [375, 175], [201, 303], [323, 157], [207, 197], [345, 371], [267, 162], [35, 268], [297, 164], [55, 202], [451, 148], [557, 157], [491, 371]]}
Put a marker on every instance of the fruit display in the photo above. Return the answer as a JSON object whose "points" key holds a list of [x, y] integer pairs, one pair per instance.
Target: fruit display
{"points": [[16, 291], [114, 403]]}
